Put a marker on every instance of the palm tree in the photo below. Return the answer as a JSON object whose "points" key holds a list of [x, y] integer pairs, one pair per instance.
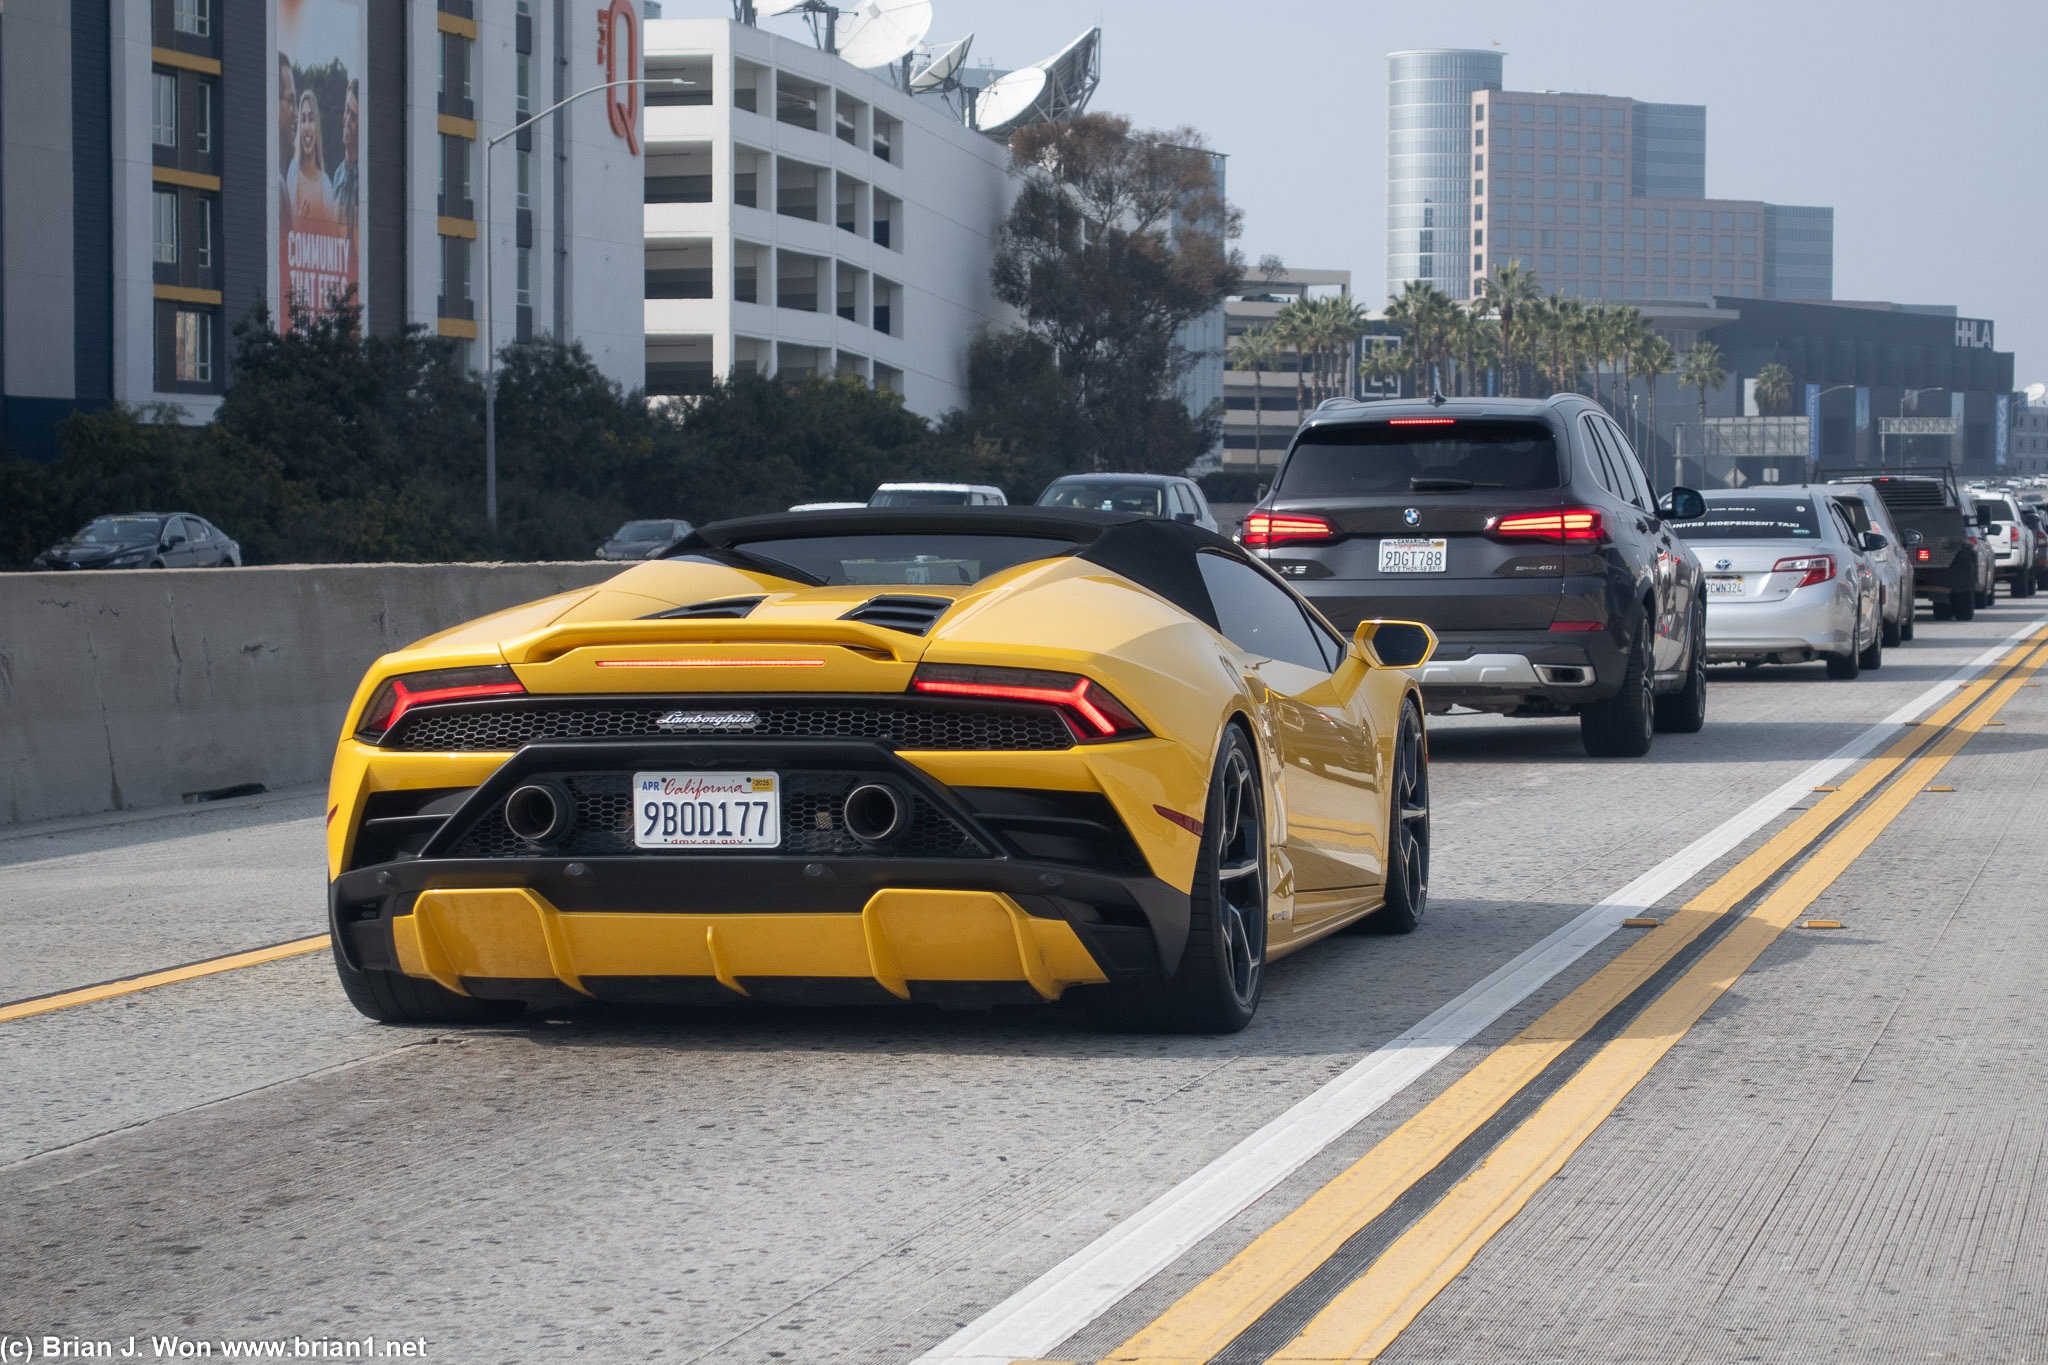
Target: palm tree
{"points": [[1507, 291], [1381, 363], [1571, 319], [1424, 315], [1703, 368], [1773, 389], [1346, 320], [1467, 338], [1291, 328], [1626, 326], [1654, 358], [1257, 350]]}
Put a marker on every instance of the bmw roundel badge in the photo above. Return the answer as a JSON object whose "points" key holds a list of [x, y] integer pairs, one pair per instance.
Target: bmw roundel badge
{"points": [[1412, 515]]}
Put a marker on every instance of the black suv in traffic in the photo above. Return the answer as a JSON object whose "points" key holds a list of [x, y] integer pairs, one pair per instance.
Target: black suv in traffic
{"points": [[1525, 532]]}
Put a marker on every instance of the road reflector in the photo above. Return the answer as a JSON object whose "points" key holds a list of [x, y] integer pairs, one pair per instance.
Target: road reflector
{"points": [[1641, 923], [1827, 789], [1821, 924], [1939, 789], [1994, 722]]}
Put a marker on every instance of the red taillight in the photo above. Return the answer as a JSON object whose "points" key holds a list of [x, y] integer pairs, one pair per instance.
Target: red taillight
{"points": [[395, 696], [1923, 554], [1572, 525], [1277, 528], [1812, 568], [1090, 711]]}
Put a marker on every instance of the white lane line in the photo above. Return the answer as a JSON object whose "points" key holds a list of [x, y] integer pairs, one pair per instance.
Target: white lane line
{"points": [[1070, 1296]]}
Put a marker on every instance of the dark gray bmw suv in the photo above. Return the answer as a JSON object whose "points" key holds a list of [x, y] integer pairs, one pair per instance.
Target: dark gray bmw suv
{"points": [[1525, 532]]}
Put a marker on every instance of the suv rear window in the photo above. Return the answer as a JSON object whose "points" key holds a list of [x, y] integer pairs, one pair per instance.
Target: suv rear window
{"points": [[1420, 455], [1755, 519]]}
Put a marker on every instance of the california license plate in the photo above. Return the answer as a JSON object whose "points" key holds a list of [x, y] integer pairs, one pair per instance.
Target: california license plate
{"points": [[1724, 586], [1414, 555], [707, 810]]}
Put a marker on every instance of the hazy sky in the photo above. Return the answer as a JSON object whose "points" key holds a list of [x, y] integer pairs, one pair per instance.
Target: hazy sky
{"points": [[1921, 125]]}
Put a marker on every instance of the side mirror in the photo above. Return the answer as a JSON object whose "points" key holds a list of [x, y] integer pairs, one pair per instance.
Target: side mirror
{"points": [[1914, 538], [174, 542], [1682, 504], [1395, 644], [1874, 542]]}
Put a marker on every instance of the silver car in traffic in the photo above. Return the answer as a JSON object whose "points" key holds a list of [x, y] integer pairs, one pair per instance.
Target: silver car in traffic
{"points": [[1789, 580]]}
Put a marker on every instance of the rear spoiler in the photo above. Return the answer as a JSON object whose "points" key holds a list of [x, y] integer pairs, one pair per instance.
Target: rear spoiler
{"points": [[555, 641]]}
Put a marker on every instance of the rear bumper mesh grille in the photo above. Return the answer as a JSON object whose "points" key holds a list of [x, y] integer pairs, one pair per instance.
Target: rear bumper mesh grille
{"points": [[813, 824], [495, 727]]}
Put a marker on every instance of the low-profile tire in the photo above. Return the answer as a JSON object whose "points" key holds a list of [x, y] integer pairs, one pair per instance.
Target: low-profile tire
{"points": [[1684, 712], [1873, 657], [1962, 606], [395, 998], [1892, 633], [1222, 970], [1845, 666], [1407, 890], [1621, 726]]}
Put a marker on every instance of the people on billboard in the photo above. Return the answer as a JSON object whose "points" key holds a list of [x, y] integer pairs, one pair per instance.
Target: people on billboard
{"points": [[306, 187], [346, 183]]}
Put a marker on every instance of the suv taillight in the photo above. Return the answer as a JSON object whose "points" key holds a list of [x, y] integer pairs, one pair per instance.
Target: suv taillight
{"points": [[1811, 568], [1569, 525], [1280, 528]]}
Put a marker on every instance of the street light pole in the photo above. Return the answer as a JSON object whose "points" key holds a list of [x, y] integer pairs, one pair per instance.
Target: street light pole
{"points": [[490, 347]]}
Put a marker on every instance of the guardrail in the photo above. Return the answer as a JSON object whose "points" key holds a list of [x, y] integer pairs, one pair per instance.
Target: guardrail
{"points": [[143, 688]]}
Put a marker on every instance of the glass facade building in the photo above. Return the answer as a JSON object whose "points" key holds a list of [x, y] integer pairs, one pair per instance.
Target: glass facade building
{"points": [[1799, 252], [1669, 151], [1430, 151]]}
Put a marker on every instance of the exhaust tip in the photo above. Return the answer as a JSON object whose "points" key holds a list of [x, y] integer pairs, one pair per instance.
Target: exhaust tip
{"points": [[875, 813], [537, 813]]}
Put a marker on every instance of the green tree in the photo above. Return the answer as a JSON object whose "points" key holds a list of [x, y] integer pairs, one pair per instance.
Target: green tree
{"points": [[1257, 351], [1774, 390], [1507, 291], [1703, 368], [1116, 240], [1653, 359]]}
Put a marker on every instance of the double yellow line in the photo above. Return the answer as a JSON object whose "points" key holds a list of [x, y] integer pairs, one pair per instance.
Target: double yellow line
{"points": [[1319, 1286]]}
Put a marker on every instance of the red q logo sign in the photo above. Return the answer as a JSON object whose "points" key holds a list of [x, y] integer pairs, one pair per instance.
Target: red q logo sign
{"points": [[618, 52]]}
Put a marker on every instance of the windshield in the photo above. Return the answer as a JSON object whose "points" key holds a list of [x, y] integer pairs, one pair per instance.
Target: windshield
{"points": [[1104, 495], [937, 560], [1755, 519], [119, 531], [646, 530], [1420, 455], [920, 497]]}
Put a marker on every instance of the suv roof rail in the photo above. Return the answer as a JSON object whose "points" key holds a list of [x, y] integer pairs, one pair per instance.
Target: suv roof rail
{"points": [[1340, 403]]}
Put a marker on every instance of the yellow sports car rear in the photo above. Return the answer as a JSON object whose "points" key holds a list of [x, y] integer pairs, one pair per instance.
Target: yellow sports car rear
{"points": [[967, 756]]}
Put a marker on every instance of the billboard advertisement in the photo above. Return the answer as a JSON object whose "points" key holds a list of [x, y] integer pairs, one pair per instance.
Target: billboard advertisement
{"points": [[318, 154]]}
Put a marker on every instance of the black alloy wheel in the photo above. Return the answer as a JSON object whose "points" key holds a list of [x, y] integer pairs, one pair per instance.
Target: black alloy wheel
{"points": [[1222, 969], [1684, 712], [1407, 888], [1621, 726]]}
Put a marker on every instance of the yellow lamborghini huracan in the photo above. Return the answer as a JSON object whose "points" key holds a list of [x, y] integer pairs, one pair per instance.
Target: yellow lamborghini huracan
{"points": [[959, 755]]}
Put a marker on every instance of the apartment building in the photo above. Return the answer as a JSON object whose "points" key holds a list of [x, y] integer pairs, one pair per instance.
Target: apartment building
{"points": [[804, 216], [169, 167], [1261, 408]]}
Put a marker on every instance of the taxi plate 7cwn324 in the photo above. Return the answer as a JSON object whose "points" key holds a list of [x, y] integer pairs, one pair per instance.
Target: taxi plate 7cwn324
{"points": [[707, 810]]}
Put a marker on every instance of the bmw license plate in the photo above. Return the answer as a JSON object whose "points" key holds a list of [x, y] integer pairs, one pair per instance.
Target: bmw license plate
{"points": [[707, 810], [1724, 585], [1415, 554]]}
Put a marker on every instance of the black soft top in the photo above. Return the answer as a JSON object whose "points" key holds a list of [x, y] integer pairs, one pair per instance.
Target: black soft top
{"points": [[1152, 552]]}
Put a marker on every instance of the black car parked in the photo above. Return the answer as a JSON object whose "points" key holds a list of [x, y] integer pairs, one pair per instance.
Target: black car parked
{"points": [[1525, 532], [144, 540], [644, 539]]}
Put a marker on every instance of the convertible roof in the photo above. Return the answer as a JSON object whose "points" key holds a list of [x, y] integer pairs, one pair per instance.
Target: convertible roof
{"points": [[1150, 551]]}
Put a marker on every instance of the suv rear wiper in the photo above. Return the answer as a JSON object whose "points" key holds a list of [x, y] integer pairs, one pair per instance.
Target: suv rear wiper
{"points": [[1420, 484]]}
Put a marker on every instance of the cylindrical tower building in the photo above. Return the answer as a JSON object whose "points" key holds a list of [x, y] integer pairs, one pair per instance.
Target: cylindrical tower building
{"points": [[1429, 164]]}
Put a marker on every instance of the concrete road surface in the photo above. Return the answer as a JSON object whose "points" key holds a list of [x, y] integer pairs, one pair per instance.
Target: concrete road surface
{"points": [[1728, 1137]]}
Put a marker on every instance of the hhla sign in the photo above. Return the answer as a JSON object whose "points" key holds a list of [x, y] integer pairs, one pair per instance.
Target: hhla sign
{"points": [[1974, 333], [618, 53]]}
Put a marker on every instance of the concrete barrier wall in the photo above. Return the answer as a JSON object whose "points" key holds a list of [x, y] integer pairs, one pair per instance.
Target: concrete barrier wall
{"points": [[128, 689]]}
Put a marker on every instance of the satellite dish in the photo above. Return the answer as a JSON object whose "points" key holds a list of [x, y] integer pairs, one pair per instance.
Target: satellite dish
{"points": [[941, 67], [877, 32], [1009, 100], [1071, 75]]}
